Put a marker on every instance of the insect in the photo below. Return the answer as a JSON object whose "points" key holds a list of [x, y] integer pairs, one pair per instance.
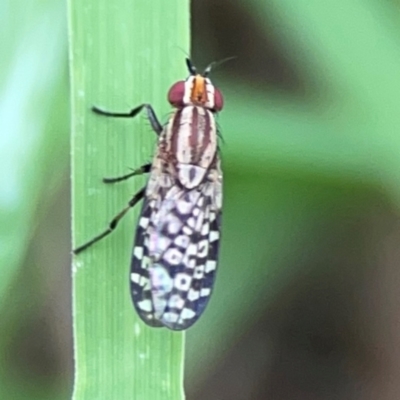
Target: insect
{"points": [[175, 250]]}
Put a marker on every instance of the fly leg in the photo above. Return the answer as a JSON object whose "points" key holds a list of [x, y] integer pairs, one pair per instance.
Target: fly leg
{"points": [[151, 115], [144, 169], [114, 222]]}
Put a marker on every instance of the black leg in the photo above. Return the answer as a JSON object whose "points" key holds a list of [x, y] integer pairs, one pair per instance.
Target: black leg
{"points": [[113, 224], [144, 169], [151, 115]]}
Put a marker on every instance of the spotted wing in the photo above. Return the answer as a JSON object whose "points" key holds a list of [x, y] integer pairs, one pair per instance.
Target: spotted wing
{"points": [[140, 267], [175, 252]]}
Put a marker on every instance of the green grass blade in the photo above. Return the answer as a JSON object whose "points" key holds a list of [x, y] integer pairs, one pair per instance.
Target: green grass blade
{"points": [[122, 54]]}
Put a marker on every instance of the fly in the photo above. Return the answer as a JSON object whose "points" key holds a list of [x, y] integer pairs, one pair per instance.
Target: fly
{"points": [[175, 251]]}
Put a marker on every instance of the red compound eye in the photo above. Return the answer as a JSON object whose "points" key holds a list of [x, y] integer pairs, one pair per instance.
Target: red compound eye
{"points": [[176, 93], [218, 100]]}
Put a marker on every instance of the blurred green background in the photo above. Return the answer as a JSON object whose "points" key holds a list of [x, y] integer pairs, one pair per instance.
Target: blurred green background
{"points": [[306, 302]]}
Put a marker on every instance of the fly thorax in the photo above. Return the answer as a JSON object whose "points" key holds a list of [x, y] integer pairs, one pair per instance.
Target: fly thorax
{"points": [[193, 136], [193, 144]]}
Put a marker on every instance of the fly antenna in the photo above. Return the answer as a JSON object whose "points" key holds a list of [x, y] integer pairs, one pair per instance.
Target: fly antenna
{"points": [[215, 64], [183, 51], [191, 67]]}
